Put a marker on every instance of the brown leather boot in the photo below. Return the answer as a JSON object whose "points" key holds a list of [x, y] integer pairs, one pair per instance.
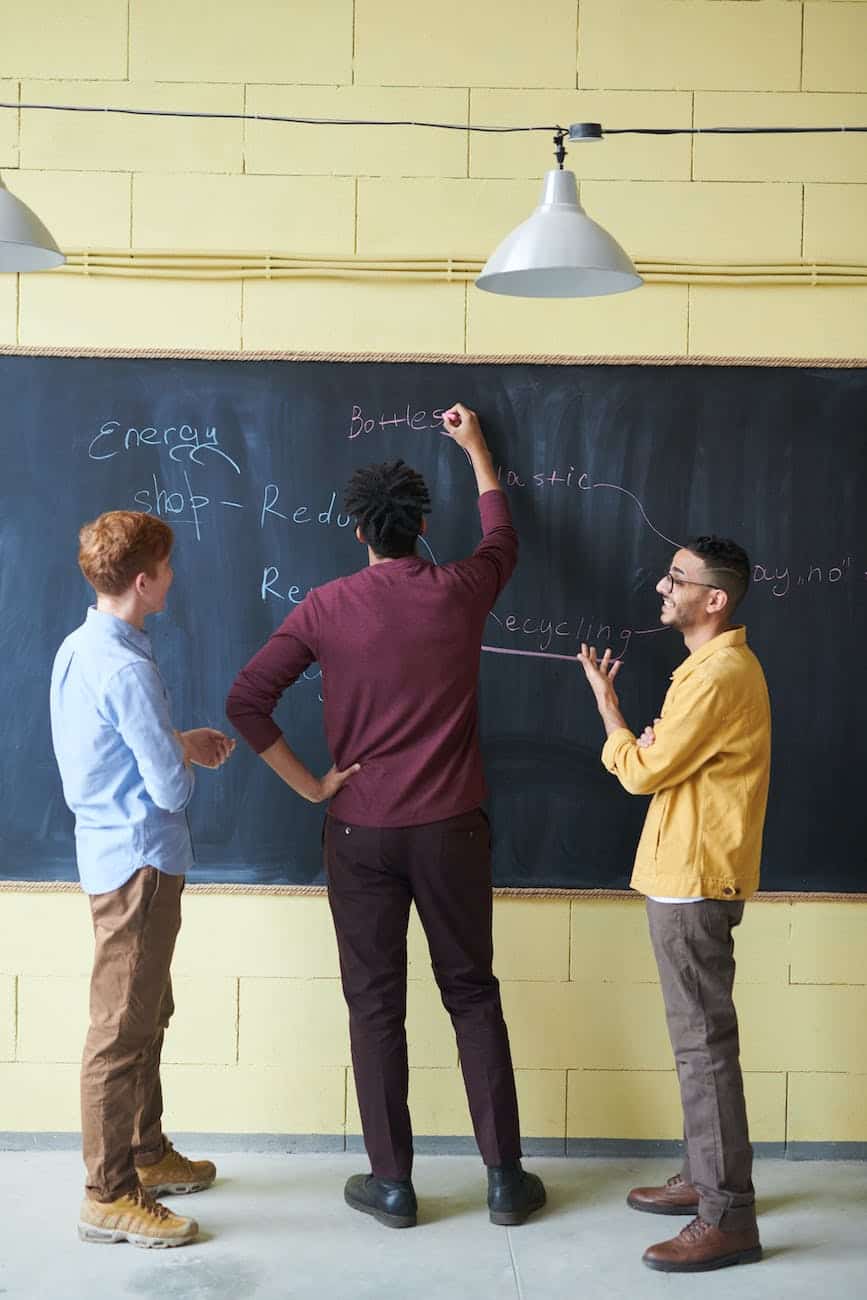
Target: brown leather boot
{"points": [[175, 1175], [676, 1197], [700, 1247]]}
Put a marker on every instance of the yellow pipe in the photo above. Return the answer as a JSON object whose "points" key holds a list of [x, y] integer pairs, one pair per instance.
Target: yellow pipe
{"points": [[173, 264]]}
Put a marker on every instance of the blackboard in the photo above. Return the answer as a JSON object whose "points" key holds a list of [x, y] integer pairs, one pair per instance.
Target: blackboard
{"points": [[607, 468]]}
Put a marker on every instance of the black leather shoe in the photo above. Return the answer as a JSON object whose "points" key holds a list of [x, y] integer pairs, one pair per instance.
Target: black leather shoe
{"points": [[390, 1201], [513, 1195]]}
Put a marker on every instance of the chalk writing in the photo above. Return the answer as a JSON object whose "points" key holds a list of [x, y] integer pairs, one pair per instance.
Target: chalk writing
{"points": [[165, 503], [181, 440], [528, 654], [302, 514], [270, 578], [545, 630], [784, 581], [586, 486], [568, 478], [361, 423], [424, 542]]}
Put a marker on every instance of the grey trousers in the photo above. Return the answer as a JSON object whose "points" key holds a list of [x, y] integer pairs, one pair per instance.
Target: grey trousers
{"points": [[694, 952]]}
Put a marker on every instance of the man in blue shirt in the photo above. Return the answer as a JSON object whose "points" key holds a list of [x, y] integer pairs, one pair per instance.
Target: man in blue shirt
{"points": [[126, 777]]}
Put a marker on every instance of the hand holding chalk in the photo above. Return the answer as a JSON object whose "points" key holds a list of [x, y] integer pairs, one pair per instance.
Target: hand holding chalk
{"points": [[462, 424]]}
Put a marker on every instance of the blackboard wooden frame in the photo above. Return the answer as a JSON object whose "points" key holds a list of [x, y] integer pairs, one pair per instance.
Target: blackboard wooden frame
{"points": [[320, 891], [438, 358], [456, 359]]}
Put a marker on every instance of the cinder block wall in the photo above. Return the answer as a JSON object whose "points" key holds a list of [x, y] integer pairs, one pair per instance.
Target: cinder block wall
{"points": [[259, 1043]]}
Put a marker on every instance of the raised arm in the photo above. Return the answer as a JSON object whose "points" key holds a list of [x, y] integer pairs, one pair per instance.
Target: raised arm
{"points": [[462, 424], [685, 737], [494, 559]]}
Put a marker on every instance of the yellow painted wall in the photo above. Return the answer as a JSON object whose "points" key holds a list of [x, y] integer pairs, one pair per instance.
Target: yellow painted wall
{"points": [[260, 1043]]}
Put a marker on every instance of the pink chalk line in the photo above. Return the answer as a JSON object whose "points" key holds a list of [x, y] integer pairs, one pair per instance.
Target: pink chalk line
{"points": [[530, 654]]}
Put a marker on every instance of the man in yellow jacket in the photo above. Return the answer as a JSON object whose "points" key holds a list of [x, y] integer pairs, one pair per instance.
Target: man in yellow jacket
{"points": [[706, 761]]}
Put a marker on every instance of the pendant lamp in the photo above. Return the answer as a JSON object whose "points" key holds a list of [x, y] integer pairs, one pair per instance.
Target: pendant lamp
{"points": [[559, 252], [25, 244]]}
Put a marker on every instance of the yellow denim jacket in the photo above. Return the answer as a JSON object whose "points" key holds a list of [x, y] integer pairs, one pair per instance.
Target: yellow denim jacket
{"points": [[708, 772]]}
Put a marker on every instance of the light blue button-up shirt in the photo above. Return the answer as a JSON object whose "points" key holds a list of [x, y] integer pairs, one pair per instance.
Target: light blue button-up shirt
{"points": [[120, 761]]}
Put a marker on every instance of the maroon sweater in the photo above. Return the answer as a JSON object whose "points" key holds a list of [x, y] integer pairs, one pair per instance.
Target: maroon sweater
{"points": [[399, 647]]}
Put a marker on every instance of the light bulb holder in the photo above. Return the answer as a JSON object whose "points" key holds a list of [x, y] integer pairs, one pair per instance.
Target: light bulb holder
{"points": [[584, 131]]}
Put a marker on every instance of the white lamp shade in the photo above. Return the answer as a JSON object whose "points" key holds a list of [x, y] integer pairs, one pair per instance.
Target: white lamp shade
{"points": [[25, 244], [559, 252]]}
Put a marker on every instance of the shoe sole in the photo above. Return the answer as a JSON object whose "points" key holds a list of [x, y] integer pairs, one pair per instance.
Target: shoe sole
{"points": [[514, 1218], [177, 1189], [110, 1236], [724, 1261], [646, 1207], [387, 1220]]}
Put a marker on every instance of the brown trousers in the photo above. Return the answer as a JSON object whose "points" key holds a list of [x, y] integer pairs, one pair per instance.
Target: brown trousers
{"points": [[135, 928], [694, 952], [373, 877]]}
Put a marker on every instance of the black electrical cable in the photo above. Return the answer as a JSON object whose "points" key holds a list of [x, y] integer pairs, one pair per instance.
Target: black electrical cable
{"points": [[728, 130], [270, 117], [440, 126]]}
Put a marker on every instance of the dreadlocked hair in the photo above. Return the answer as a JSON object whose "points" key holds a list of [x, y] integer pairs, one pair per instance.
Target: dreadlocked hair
{"points": [[389, 502]]}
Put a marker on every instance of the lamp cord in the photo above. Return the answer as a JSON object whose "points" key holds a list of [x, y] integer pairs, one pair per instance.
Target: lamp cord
{"points": [[729, 130], [560, 135]]}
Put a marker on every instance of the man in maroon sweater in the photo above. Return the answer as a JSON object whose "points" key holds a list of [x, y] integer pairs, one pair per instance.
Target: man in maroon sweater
{"points": [[399, 644]]}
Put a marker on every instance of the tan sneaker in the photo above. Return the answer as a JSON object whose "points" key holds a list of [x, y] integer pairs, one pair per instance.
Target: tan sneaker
{"points": [[136, 1218], [175, 1175]]}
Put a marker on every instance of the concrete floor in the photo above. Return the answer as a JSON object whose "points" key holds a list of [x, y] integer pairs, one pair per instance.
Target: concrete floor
{"points": [[275, 1227]]}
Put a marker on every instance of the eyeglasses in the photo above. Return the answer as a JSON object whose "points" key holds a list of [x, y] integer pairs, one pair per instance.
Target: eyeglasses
{"points": [[670, 582]]}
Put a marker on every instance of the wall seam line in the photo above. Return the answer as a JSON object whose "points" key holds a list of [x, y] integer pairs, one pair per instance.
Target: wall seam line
{"points": [[244, 125], [466, 318], [689, 289], [237, 1010], [354, 37]]}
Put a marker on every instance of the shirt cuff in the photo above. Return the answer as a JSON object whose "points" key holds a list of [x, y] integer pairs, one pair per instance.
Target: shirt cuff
{"points": [[613, 745], [259, 733]]}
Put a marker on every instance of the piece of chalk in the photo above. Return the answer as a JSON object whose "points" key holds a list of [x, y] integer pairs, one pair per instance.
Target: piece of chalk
{"points": [[452, 417]]}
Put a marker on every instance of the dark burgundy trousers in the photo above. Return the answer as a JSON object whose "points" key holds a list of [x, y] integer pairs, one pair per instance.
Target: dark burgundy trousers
{"points": [[445, 869]]}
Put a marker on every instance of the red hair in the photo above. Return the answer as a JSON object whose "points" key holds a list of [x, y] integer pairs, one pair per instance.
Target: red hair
{"points": [[118, 546]]}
